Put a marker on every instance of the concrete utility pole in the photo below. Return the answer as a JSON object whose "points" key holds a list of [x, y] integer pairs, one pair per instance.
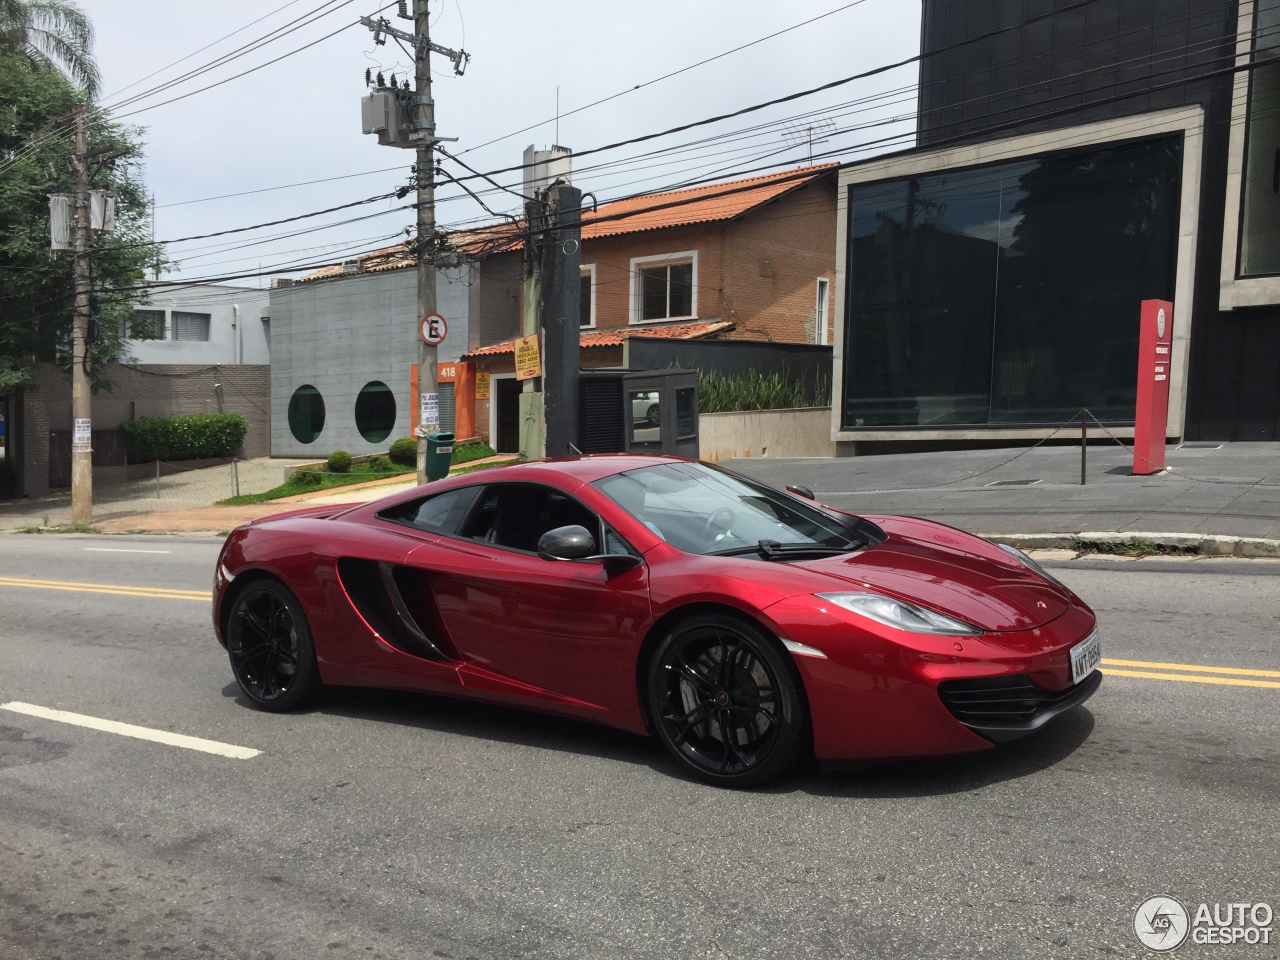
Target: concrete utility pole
{"points": [[81, 404], [428, 387], [530, 409], [561, 302]]}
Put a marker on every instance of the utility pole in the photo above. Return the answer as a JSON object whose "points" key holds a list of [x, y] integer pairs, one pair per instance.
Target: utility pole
{"points": [[81, 403], [428, 387], [384, 114], [561, 275]]}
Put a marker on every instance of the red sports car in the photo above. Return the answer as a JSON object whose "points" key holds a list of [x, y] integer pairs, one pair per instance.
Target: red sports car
{"points": [[743, 625]]}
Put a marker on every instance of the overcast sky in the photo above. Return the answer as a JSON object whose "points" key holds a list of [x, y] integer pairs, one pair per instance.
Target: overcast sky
{"points": [[299, 119]]}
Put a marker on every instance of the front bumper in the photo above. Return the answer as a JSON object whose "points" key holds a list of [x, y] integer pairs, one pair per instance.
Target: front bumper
{"points": [[1008, 708]]}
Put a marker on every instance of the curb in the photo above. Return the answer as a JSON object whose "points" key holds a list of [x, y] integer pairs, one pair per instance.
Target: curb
{"points": [[1205, 544]]}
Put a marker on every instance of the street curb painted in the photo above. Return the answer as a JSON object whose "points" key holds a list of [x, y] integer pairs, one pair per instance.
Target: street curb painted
{"points": [[1205, 544]]}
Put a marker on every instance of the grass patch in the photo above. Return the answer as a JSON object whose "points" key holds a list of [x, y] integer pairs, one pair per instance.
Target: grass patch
{"points": [[1133, 547], [465, 453], [61, 528], [485, 466]]}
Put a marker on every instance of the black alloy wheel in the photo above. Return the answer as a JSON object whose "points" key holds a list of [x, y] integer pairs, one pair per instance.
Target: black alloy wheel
{"points": [[726, 702], [270, 648]]}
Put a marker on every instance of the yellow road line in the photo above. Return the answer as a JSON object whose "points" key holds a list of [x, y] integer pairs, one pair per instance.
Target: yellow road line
{"points": [[1236, 671], [1191, 678], [120, 590]]}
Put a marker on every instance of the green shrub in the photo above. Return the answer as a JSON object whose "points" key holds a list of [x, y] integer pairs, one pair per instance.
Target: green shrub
{"points": [[404, 452], [721, 393], [184, 438], [307, 478], [471, 451], [380, 463], [339, 462]]}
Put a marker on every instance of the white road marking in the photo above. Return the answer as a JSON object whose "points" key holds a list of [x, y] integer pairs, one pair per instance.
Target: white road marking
{"points": [[130, 730], [122, 550]]}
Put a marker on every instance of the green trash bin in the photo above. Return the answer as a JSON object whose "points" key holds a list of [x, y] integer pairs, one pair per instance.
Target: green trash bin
{"points": [[439, 455]]}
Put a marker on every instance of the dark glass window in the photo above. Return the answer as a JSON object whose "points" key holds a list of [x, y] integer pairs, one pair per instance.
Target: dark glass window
{"points": [[375, 411], [1260, 223], [646, 417], [306, 413], [1010, 293], [516, 515], [439, 514], [686, 414], [584, 300], [145, 325], [666, 291]]}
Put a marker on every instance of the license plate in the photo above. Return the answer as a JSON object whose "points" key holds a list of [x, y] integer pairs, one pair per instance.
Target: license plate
{"points": [[1085, 657]]}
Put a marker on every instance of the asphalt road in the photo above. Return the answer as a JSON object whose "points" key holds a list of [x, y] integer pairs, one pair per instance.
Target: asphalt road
{"points": [[388, 825]]}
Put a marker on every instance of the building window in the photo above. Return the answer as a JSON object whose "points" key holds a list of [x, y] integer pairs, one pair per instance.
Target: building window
{"points": [[375, 411], [820, 310], [587, 294], [190, 326], [1260, 220], [664, 287], [145, 325], [306, 413], [1008, 293]]}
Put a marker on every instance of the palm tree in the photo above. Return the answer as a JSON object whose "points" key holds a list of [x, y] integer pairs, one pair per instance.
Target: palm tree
{"points": [[51, 35]]}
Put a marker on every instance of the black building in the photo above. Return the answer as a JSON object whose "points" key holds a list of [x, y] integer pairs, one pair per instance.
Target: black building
{"points": [[1073, 159]]}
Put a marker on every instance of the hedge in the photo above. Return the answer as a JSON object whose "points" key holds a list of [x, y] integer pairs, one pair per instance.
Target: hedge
{"points": [[184, 438]]}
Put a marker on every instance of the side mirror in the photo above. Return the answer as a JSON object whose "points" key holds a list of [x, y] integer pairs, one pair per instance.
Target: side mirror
{"points": [[573, 542], [800, 491], [617, 562]]}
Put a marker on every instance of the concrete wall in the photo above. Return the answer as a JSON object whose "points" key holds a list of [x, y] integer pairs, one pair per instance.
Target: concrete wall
{"points": [[247, 341], [150, 391], [340, 334], [804, 432]]}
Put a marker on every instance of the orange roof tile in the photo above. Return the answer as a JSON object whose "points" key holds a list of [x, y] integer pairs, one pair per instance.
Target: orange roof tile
{"points": [[596, 339], [710, 203]]}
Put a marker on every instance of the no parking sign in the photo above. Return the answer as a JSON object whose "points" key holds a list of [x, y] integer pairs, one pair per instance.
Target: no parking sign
{"points": [[433, 329]]}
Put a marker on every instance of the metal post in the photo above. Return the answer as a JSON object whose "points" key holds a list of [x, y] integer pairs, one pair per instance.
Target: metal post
{"points": [[1084, 441], [427, 384], [157, 479], [235, 475], [81, 403]]}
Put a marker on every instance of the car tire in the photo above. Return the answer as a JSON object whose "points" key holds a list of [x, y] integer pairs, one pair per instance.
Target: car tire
{"points": [[725, 700], [269, 645], [653, 415]]}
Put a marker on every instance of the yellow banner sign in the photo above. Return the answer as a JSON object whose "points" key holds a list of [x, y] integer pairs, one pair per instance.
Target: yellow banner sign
{"points": [[528, 359], [482, 386]]}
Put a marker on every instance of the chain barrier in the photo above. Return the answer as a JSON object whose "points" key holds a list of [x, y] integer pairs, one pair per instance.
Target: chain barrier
{"points": [[1170, 471]]}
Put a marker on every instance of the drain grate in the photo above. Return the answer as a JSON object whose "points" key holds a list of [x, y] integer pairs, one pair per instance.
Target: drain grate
{"points": [[1013, 483]]}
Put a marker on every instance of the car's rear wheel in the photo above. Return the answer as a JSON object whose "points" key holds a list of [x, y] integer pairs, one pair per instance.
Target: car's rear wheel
{"points": [[269, 644], [725, 702]]}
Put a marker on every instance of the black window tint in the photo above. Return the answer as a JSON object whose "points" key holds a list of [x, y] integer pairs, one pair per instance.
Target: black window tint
{"points": [[516, 515], [438, 514], [615, 544]]}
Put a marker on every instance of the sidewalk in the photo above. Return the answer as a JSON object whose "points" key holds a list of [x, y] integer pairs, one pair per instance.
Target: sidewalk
{"points": [[1232, 489]]}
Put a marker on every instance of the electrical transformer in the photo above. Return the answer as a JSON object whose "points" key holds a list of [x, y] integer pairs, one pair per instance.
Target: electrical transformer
{"points": [[389, 113]]}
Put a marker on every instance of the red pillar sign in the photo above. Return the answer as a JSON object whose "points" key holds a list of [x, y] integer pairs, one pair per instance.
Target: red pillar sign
{"points": [[1155, 345]]}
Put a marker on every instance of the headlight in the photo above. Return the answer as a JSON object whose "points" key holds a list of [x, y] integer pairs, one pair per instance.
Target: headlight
{"points": [[1031, 564], [900, 614]]}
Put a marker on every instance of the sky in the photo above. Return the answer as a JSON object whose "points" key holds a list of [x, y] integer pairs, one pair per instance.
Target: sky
{"points": [[299, 119]]}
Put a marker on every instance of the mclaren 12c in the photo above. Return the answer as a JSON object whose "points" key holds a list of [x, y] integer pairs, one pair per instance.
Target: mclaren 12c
{"points": [[745, 626]]}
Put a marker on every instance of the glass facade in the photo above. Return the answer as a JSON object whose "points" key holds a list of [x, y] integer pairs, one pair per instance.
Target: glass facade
{"points": [[375, 411], [1008, 293], [306, 413], [1260, 217]]}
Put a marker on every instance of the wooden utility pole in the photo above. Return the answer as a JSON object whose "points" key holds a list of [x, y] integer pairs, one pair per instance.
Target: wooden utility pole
{"points": [[81, 404]]}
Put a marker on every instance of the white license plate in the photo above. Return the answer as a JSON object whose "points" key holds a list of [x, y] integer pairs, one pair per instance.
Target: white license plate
{"points": [[1085, 657]]}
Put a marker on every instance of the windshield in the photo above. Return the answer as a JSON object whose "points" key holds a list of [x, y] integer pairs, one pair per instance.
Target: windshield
{"points": [[699, 509]]}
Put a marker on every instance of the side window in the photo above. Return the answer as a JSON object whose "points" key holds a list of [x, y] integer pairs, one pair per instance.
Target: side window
{"points": [[614, 544], [438, 514], [516, 515]]}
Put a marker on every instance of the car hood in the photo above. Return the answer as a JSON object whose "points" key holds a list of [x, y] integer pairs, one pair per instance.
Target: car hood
{"points": [[949, 571]]}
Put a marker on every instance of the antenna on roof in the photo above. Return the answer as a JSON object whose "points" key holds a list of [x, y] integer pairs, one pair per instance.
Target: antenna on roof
{"points": [[801, 132]]}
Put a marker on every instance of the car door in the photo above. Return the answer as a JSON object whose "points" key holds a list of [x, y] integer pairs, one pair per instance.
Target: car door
{"points": [[529, 628]]}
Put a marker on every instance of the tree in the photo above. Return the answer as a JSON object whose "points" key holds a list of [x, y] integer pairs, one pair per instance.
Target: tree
{"points": [[36, 290], [50, 35]]}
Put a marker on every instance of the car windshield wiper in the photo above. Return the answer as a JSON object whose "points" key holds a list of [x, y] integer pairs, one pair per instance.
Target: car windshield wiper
{"points": [[773, 550]]}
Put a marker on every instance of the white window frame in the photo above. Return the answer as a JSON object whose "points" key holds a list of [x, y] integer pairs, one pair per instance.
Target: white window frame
{"points": [[821, 307], [161, 332], [662, 259], [493, 405], [173, 326], [590, 269], [1187, 120], [1235, 291]]}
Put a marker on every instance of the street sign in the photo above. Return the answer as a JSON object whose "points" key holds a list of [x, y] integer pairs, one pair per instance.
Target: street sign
{"points": [[433, 329], [528, 358]]}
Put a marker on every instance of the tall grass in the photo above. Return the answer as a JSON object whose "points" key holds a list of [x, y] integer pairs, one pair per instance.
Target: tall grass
{"points": [[724, 393]]}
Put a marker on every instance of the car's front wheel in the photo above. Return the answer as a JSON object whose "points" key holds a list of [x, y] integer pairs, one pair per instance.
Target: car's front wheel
{"points": [[725, 702], [269, 644]]}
